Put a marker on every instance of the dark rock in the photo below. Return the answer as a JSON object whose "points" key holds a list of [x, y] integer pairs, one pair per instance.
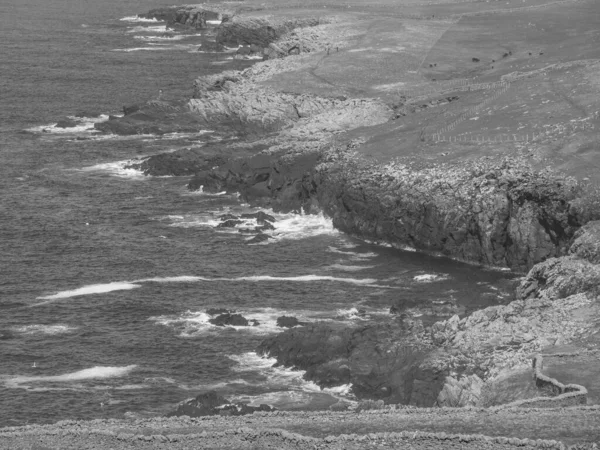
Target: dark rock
{"points": [[259, 238], [240, 30], [131, 109], [215, 311], [228, 319], [475, 60], [230, 224], [228, 217], [249, 230], [154, 117], [254, 322], [260, 216], [289, 322], [181, 163], [266, 226], [90, 114], [211, 46], [67, 123], [369, 357], [203, 405], [212, 404]]}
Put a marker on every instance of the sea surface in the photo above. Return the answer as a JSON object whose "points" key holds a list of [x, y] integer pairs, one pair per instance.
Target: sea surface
{"points": [[106, 275]]}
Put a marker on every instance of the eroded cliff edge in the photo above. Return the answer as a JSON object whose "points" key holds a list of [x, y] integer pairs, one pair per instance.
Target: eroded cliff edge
{"points": [[345, 127]]}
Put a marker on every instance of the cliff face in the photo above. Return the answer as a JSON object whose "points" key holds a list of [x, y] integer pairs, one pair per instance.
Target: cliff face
{"points": [[493, 212], [240, 30]]}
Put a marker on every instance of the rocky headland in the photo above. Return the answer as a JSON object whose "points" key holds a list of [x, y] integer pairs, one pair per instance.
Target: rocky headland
{"points": [[396, 124]]}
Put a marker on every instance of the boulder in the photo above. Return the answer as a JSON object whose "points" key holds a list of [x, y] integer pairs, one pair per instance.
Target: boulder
{"points": [[289, 322], [228, 319], [260, 216], [67, 123], [230, 223]]}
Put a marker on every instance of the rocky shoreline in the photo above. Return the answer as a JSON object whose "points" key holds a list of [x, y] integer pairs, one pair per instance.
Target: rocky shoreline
{"points": [[314, 135]]}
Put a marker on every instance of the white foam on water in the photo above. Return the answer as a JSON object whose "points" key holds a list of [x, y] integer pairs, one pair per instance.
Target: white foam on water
{"points": [[430, 277], [156, 48], [301, 226], [347, 268], [214, 22], [349, 314], [84, 125], [44, 329], [354, 256], [148, 29], [196, 323], [178, 279], [136, 19], [92, 289], [176, 37], [282, 378], [305, 278], [98, 372], [116, 168]]}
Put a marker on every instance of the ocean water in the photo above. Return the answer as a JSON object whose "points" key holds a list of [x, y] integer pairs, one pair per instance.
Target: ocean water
{"points": [[106, 275]]}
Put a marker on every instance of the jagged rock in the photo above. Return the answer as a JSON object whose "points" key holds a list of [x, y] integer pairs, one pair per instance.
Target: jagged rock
{"points": [[241, 30], [205, 404], [559, 278], [230, 224], [153, 117], [381, 362], [189, 16], [586, 242], [228, 319], [465, 391], [211, 404]]}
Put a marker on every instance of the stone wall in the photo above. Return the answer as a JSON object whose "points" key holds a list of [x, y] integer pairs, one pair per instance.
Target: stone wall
{"points": [[563, 395]]}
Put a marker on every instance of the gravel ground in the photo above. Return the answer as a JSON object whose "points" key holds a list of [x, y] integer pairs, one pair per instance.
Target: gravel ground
{"points": [[411, 428]]}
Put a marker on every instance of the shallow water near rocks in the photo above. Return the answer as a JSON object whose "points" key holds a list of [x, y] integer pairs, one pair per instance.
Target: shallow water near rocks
{"points": [[107, 274]]}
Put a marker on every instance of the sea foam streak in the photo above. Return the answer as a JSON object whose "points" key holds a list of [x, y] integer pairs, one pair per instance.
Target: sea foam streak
{"points": [[97, 372], [84, 125], [257, 278], [430, 277], [151, 29], [117, 168], [125, 285], [92, 289], [44, 329], [135, 19]]}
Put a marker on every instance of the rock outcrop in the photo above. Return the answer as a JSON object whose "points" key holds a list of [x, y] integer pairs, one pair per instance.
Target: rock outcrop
{"points": [[183, 16], [212, 404], [382, 362], [240, 30]]}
